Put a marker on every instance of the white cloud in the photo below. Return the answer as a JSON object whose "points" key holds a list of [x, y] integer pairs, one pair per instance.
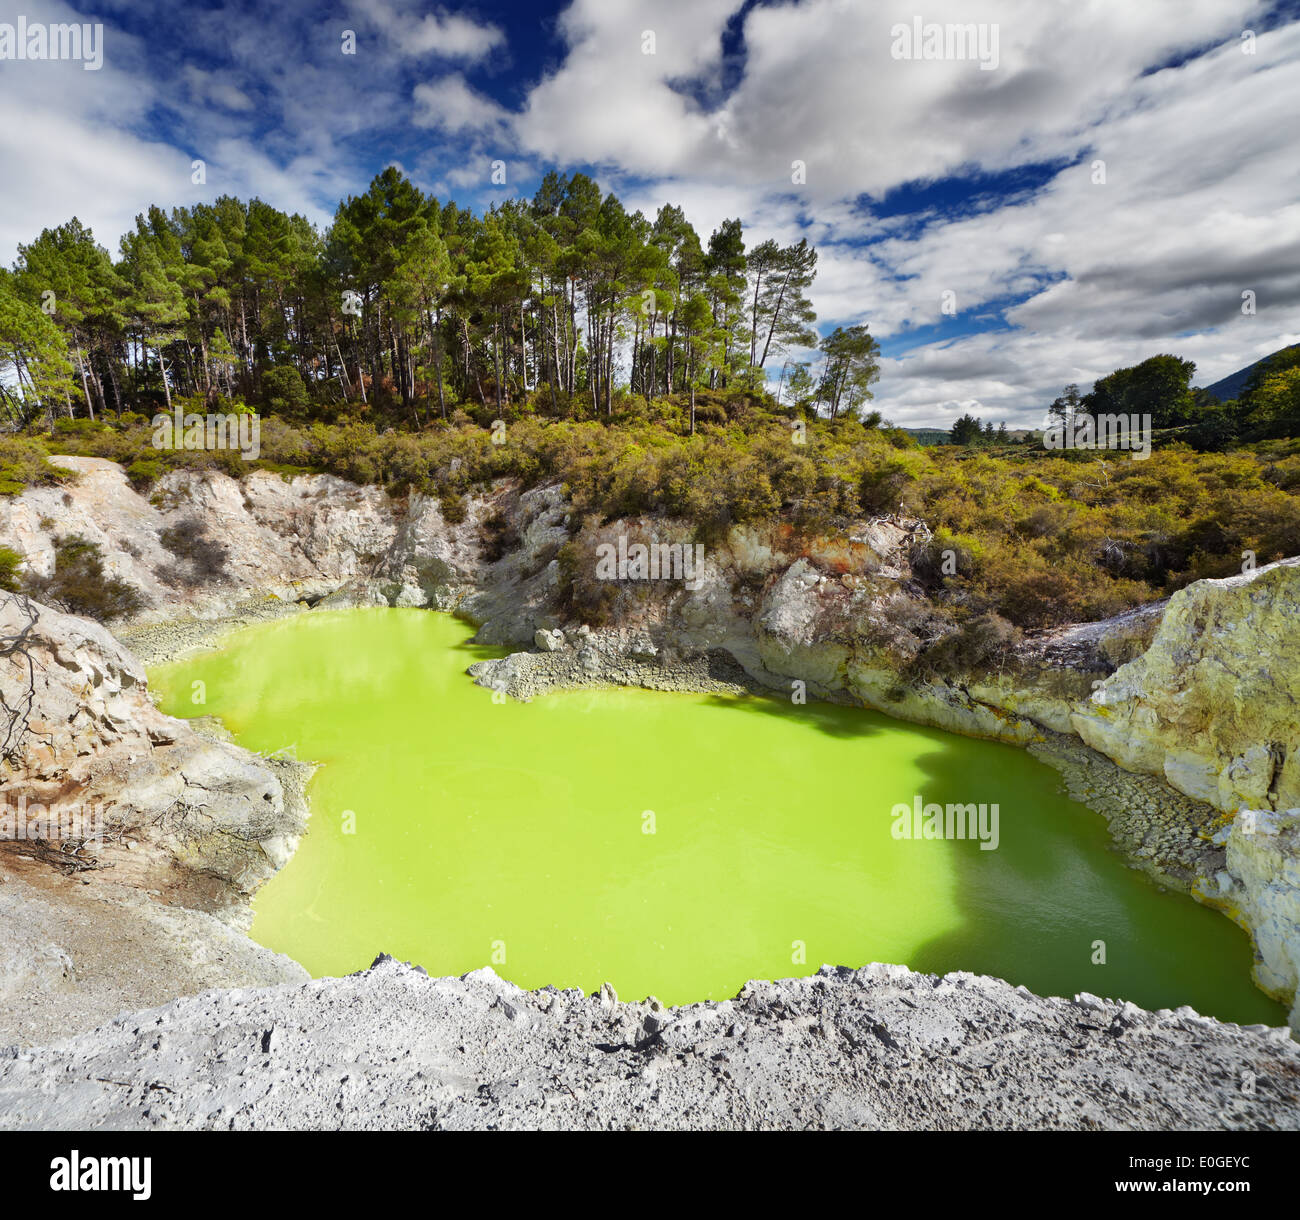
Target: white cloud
{"points": [[310, 184], [68, 144], [95, 172], [1199, 202], [205, 87], [611, 101], [1198, 207], [820, 85], [455, 108], [416, 35], [71, 144]]}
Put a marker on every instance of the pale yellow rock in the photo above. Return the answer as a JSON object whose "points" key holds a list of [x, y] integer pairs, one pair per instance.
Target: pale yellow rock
{"points": [[1264, 863], [1213, 705]]}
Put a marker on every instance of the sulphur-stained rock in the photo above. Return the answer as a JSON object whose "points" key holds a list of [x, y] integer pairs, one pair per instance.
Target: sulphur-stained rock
{"points": [[792, 608], [28, 966], [799, 627], [1213, 704], [1264, 868], [151, 806], [1213, 707], [74, 956], [431, 562], [292, 538], [516, 594], [62, 671]]}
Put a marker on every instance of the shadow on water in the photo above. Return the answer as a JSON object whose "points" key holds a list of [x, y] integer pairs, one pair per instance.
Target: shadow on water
{"points": [[1096, 923], [480, 652], [1054, 882], [827, 717]]}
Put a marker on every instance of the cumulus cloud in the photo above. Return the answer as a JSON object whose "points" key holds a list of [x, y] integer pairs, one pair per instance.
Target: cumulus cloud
{"points": [[821, 85], [415, 34], [1198, 207], [68, 142], [1068, 281], [455, 108], [613, 102], [74, 143]]}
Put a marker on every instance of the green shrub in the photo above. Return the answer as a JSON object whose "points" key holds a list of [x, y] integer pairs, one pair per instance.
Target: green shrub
{"points": [[453, 507], [283, 391], [143, 471], [23, 464], [78, 427], [1041, 538], [582, 595], [9, 564], [499, 536], [881, 488], [79, 584]]}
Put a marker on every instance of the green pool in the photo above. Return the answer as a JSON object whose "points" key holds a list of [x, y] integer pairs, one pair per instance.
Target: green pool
{"points": [[672, 844]]}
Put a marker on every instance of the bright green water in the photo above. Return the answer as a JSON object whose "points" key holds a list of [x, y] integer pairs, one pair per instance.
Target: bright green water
{"points": [[457, 832]]}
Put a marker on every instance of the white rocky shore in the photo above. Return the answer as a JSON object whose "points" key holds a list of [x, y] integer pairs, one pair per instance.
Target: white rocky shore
{"points": [[876, 1048], [1179, 722]]}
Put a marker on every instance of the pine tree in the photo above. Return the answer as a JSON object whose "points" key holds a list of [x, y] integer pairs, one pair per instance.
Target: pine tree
{"points": [[156, 302], [72, 280], [851, 365], [781, 315], [34, 354]]}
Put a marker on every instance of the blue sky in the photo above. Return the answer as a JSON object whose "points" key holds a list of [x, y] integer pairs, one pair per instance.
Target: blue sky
{"points": [[928, 183]]}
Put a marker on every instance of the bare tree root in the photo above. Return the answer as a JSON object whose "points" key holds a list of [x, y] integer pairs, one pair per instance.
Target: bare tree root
{"points": [[13, 717]]}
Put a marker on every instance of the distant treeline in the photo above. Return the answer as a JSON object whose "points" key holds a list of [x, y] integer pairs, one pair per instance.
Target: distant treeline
{"points": [[1267, 405], [561, 306]]}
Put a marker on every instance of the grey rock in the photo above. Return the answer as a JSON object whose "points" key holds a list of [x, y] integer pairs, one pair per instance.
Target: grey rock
{"points": [[874, 1048]]}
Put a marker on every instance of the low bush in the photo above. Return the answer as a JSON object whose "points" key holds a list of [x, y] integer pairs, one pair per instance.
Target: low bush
{"points": [[10, 561], [143, 472], [453, 508], [1038, 538], [499, 536], [79, 584], [983, 642], [582, 595], [24, 463]]}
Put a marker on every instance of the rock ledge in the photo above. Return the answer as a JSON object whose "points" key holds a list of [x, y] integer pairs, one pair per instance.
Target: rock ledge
{"points": [[875, 1048]]}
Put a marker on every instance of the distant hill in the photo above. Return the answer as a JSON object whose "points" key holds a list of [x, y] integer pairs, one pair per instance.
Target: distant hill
{"points": [[1231, 386]]}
